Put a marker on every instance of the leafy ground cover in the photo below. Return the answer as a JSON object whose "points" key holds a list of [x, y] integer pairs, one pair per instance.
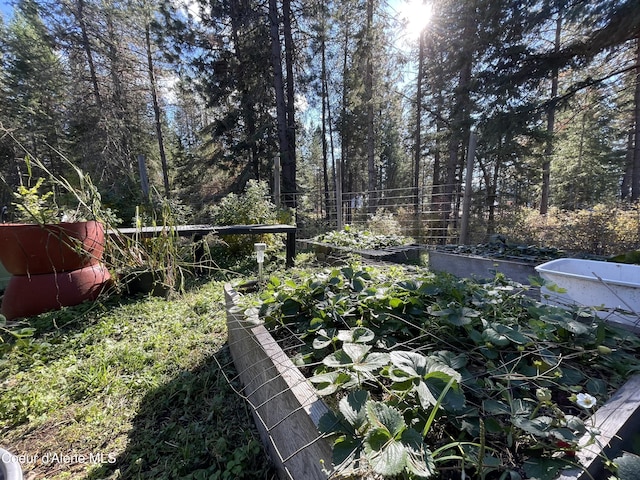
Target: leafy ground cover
{"points": [[362, 239], [430, 376], [127, 389]]}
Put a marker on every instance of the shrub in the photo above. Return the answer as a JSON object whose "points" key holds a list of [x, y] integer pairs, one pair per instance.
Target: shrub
{"points": [[383, 222], [601, 230], [252, 207]]}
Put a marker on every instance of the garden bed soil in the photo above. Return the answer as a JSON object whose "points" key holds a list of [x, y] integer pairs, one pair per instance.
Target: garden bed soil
{"points": [[287, 409]]}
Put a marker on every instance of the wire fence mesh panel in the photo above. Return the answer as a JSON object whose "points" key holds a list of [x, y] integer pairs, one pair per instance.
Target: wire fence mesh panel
{"points": [[285, 407], [430, 214], [433, 215]]}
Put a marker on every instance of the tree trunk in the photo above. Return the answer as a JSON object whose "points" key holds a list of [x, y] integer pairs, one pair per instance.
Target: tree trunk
{"points": [[86, 45], [337, 170], [344, 131], [417, 148], [635, 176], [437, 188], [156, 112], [288, 177], [325, 101], [460, 117], [625, 192], [368, 85], [291, 121], [123, 155], [248, 113], [551, 113]]}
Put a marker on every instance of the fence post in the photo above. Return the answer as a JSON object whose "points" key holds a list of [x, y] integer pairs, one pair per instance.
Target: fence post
{"points": [[339, 194], [466, 200]]}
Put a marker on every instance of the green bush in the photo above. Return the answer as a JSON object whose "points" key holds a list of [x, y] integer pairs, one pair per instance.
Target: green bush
{"points": [[251, 207], [383, 222]]}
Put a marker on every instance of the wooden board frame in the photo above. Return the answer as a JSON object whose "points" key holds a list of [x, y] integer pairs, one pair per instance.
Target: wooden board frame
{"points": [[285, 406]]}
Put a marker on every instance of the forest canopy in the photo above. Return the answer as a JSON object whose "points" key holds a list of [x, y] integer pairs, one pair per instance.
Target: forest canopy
{"points": [[210, 93]]}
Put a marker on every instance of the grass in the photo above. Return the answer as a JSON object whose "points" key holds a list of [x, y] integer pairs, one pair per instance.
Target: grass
{"points": [[128, 389]]}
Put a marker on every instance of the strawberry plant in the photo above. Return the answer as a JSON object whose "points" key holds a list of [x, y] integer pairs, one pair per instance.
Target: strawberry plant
{"points": [[437, 377], [362, 239]]}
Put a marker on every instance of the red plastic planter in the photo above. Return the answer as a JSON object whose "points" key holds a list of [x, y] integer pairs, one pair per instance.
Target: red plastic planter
{"points": [[52, 266], [39, 249], [28, 295]]}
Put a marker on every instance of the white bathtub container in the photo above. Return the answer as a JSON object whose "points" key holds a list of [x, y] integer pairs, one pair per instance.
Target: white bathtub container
{"points": [[10, 468], [613, 289]]}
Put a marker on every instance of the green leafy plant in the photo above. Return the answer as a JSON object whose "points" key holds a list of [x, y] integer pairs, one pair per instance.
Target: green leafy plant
{"points": [[362, 239], [10, 336], [626, 466], [375, 433], [252, 207], [31, 205], [69, 197], [514, 381]]}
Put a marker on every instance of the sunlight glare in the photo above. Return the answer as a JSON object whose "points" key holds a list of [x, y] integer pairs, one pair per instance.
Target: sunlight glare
{"points": [[417, 14]]}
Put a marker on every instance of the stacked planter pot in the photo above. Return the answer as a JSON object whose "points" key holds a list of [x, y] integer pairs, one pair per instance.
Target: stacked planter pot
{"points": [[52, 266]]}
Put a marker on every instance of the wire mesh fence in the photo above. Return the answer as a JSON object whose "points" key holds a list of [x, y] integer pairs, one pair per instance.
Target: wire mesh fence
{"points": [[430, 214], [435, 215], [285, 407]]}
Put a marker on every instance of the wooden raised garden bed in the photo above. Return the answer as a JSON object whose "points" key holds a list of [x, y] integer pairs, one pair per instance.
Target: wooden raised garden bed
{"points": [[480, 267], [287, 409], [618, 421], [284, 405]]}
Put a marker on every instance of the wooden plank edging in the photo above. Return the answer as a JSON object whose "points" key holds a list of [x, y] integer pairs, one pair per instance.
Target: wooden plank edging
{"points": [[287, 409], [285, 406], [617, 421]]}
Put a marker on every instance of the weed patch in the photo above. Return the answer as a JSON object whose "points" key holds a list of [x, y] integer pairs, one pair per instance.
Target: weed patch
{"points": [[128, 389]]}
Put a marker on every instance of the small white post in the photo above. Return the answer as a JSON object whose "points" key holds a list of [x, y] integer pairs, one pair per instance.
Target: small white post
{"points": [[259, 249]]}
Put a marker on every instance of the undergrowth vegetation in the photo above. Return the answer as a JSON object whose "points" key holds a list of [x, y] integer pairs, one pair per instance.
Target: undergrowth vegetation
{"points": [[601, 230], [431, 376], [251, 207], [139, 388]]}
